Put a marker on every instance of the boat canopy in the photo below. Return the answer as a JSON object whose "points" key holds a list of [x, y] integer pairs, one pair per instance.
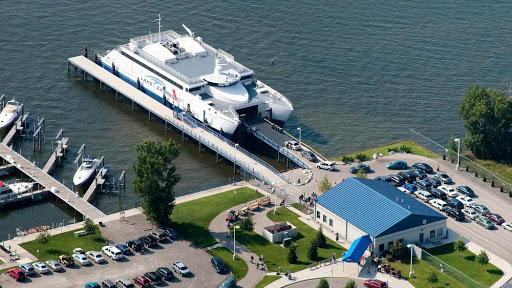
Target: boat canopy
{"points": [[160, 52], [192, 46]]}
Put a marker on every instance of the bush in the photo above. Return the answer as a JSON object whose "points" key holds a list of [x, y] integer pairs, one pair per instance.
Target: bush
{"points": [[484, 179], [361, 174], [323, 284], [432, 277], [476, 173], [347, 159], [89, 226], [405, 149], [247, 224], [482, 257], [287, 242], [351, 284], [467, 168], [292, 255], [501, 188], [492, 183], [320, 239], [313, 252], [324, 185], [392, 149], [399, 252], [362, 157], [43, 237], [444, 156], [460, 246]]}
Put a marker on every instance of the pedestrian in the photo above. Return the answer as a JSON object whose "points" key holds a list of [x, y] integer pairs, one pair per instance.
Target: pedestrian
{"points": [[85, 51], [252, 259], [258, 265], [337, 237], [437, 167], [368, 271], [379, 268], [262, 260]]}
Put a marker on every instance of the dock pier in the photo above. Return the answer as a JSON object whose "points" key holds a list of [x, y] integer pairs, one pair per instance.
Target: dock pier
{"points": [[16, 129], [99, 180], [56, 156]]}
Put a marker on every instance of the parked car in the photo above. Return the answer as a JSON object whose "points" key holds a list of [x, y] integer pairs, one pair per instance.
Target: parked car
{"points": [[439, 204], [495, 218], [465, 190], [153, 277], [92, 285], [507, 226], [229, 283], [180, 268], [159, 235], [81, 258], [148, 242], [53, 265], [327, 165], [66, 260], [397, 180], [385, 178], [40, 267], [397, 165], [484, 222], [95, 256], [78, 251], [455, 214], [411, 188], [154, 239], [309, 155], [374, 283], [169, 232], [124, 283], [28, 269], [434, 181], [423, 185], [423, 195], [360, 166], [455, 204], [165, 272], [481, 209], [408, 176], [294, 145], [142, 281], [470, 214], [436, 193], [467, 201], [423, 166], [218, 265], [112, 252], [449, 191], [136, 245], [420, 174], [107, 283], [124, 249], [17, 274], [444, 178]]}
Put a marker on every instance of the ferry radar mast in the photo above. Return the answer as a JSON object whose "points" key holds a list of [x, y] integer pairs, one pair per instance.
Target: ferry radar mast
{"points": [[159, 20]]}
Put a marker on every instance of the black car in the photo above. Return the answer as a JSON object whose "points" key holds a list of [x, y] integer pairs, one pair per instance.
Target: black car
{"points": [[170, 232], [165, 272], [229, 283], [148, 241], [153, 277], [455, 214], [423, 185], [408, 176], [438, 194], [218, 265], [434, 181], [423, 166], [309, 155], [419, 173], [124, 249], [465, 190], [358, 167], [135, 244], [455, 204], [397, 180]]}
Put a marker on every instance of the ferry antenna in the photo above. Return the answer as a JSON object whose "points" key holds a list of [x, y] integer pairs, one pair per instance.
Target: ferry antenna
{"points": [[159, 20]]}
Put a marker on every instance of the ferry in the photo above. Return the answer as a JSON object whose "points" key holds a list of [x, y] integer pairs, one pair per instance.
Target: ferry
{"points": [[10, 113], [190, 76], [85, 171]]}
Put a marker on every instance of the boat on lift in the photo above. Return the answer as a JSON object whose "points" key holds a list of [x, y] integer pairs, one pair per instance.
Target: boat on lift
{"points": [[10, 113], [20, 187], [85, 171]]}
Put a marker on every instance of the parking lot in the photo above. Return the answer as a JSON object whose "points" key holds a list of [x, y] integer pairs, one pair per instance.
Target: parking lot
{"points": [[116, 232]]}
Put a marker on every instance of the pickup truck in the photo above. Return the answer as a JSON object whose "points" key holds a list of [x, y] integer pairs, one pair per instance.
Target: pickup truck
{"points": [[66, 260]]}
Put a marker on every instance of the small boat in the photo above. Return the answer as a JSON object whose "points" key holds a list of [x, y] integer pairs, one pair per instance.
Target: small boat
{"points": [[10, 113], [20, 187], [85, 171]]}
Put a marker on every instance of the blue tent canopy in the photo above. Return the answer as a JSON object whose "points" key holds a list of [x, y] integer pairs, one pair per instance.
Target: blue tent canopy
{"points": [[357, 249]]}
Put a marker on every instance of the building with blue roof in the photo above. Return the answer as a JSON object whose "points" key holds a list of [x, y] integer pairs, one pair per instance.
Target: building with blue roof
{"points": [[358, 207]]}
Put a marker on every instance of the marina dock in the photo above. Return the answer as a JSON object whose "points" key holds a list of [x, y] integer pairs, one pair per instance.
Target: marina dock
{"points": [[98, 180], [57, 154], [16, 128]]}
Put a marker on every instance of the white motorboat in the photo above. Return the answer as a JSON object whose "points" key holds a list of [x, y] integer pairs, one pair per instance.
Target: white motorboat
{"points": [[21, 187], [10, 113], [85, 171]]}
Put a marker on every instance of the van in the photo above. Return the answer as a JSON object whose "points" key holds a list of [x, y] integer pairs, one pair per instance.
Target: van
{"points": [[423, 195], [439, 204]]}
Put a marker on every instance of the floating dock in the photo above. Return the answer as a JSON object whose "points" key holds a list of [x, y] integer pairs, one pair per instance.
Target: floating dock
{"points": [[57, 154], [18, 126]]}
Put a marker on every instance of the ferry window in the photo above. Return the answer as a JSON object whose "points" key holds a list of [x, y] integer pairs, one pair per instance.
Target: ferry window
{"points": [[194, 89], [246, 77]]}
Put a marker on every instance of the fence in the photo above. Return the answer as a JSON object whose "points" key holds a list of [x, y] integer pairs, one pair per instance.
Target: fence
{"points": [[465, 163]]}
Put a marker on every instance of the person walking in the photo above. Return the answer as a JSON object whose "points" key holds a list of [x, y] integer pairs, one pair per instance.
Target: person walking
{"points": [[337, 237], [368, 271], [252, 259]]}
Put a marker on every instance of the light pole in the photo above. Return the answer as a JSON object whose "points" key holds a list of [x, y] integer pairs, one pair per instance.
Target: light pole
{"points": [[274, 190], [300, 135], [410, 269], [458, 152], [234, 162], [234, 240], [60, 227]]}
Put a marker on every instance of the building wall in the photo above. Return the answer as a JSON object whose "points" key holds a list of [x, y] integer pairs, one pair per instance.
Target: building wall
{"points": [[339, 225]]}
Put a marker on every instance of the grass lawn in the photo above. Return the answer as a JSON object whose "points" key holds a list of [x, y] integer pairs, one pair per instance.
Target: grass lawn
{"points": [[238, 266], [191, 219], [467, 264], [267, 280], [275, 255], [415, 147], [421, 270], [501, 170], [64, 243]]}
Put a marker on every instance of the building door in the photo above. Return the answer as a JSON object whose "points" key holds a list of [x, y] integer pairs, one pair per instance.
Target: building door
{"points": [[421, 237]]}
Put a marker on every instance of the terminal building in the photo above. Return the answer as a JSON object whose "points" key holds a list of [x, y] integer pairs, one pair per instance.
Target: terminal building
{"points": [[358, 207]]}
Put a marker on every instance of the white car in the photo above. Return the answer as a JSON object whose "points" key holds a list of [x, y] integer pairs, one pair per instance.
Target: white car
{"points": [[53, 265], [327, 165], [40, 268], [507, 226], [292, 145], [439, 204], [95, 256], [180, 268], [470, 214], [112, 252], [450, 191], [467, 201], [80, 258]]}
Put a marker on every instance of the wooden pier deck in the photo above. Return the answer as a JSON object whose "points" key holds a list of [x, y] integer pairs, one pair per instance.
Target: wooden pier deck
{"points": [[18, 125], [98, 180], [49, 183], [57, 154]]}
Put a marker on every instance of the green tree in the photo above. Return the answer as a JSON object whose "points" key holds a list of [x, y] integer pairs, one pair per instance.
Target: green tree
{"points": [[350, 284], [292, 254], [313, 251], [323, 284], [247, 224], [487, 114], [361, 174], [320, 239], [89, 226], [324, 185], [482, 257], [155, 177], [43, 237], [432, 277], [460, 246]]}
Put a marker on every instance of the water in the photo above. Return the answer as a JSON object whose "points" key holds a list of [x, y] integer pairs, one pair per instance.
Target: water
{"points": [[359, 74]]}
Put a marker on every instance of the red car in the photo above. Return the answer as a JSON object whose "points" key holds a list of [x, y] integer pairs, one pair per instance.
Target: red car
{"points": [[142, 281], [17, 274], [369, 283], [495, 218]]}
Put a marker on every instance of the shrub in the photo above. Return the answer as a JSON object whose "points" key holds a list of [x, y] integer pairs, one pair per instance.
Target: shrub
{"points": [[324, 185], [460, 246], [89, 226], [482, 257], [432, 277], [361, 174], [405, 149], [467, 168], [501, 188], [351, 284], [392, 149], [247, 224], [347, 159], [476, 173], [43, 237], [320, 239], [323, 284], [399, 251], [292, 255], [362, 157], [287, 242], [484, 179], [444, 156], [313, 252], [492, 183]]}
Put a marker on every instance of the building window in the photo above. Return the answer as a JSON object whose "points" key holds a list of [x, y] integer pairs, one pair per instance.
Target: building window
{"points": [[432, 233], [330, 222], [390, 245], [439, 232], [324, 218], [317, 214], [381, 247]]}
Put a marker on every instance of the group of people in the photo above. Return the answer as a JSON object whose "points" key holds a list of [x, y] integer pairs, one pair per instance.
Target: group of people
{"points": [[258, 265], [307, 199]]}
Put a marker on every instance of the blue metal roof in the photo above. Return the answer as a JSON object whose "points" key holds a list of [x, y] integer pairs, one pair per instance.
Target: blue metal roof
{"points": [[376, 207]]}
